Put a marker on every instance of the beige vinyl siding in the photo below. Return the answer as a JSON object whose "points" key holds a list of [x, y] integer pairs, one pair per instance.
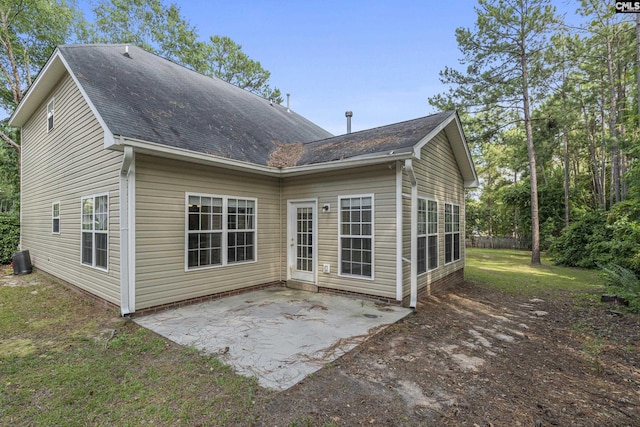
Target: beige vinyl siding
{"points": [[379, 180], [438, 178], [64, 165], [161, 185]]}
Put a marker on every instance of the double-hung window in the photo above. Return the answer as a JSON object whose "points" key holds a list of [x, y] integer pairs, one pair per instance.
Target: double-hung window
{"points": [[205, 231], [55, 218], [356, 236], [241, 230], [221, 230], [451, 233], [95, 231], [432, 234], [422, 236], [427, 235], [50, 113]]}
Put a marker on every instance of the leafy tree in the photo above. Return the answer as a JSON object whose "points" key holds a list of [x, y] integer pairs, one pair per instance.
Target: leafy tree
{"points": [[29, 31], [160, 28], [505, 69], [223, 58]]}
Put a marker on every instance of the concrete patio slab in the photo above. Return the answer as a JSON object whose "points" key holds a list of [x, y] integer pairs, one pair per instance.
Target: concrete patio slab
{"points": [[278, 335]]}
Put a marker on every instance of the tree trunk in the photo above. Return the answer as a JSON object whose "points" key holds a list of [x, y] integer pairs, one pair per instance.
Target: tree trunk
{"points": [[638, 58], [535, 220], [613, 131], [565, 144]]}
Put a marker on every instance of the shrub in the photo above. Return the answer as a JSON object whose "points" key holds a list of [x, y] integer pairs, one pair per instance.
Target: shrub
{"points": [[583, 243], [599, 238], [9, 235], [624, 283]]}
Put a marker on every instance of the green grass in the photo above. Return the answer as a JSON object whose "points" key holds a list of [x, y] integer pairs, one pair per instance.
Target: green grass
{"points": [[66, 361], [62, 364], [511, 271]]}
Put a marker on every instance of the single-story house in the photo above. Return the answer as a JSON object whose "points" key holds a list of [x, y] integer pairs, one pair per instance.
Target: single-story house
{"points": [[147, 184]]}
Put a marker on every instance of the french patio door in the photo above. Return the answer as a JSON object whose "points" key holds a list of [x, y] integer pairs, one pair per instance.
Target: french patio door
{"points": [[302, 240]]}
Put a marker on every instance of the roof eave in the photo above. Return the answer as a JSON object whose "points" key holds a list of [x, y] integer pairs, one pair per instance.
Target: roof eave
{"points": [[345, 163], [453, 129], [39, 90], [152, 148]]}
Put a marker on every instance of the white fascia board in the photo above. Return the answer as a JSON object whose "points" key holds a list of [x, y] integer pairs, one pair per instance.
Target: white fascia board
{"points": [[417, 149], [108, 136], [41, 88], [462, 153], [161, 150], [346, 163], [453, 129], [152, 148]]}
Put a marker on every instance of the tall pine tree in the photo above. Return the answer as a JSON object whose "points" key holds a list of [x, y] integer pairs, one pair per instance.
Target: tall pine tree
{"points": [[506, 72]]}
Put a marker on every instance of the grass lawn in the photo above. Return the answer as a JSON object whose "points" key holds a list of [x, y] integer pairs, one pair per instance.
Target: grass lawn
{"points": [[511, 271], [64, 360]]}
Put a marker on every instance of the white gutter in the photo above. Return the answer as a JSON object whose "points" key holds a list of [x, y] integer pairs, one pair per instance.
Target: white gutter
{"points": [[188, 155], [414, 232], [399, 230], [346, 163], [127, 231]]}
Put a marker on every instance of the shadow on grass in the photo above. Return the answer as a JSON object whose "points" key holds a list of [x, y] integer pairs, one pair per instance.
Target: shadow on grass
{"points": [[511, 271]]}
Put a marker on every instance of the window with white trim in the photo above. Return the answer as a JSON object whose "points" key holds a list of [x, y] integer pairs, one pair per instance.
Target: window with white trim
{"points": [[432, 234], [451, 233], [221, 230], [204, 231], [95, 231], [356, 236], [427, 235], [55, 218], [50, 114], [241, 230]]}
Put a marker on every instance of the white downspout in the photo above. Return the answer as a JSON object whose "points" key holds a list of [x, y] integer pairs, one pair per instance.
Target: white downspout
{"points": [[399, 231], [127, 305], [414, 232]]}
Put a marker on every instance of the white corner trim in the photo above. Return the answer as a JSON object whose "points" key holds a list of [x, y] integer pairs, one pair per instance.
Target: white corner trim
{"points": [[414, 232], [398, 231], [127, 232]]}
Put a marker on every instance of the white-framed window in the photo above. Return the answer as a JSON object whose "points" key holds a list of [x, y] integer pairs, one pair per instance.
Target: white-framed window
{"points": [[427, 235], [55, 218], [451, 233], [51, 106], [95, 231], [241, 219], [220, 230], [356, 235]]}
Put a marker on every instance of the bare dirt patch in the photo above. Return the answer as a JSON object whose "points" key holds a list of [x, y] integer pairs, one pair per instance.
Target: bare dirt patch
{"points": [[478, 357]]}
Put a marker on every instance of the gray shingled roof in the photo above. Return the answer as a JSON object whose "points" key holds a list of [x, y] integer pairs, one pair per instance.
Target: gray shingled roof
{"points": [[143, 96], [398, 137], [146, 97]]}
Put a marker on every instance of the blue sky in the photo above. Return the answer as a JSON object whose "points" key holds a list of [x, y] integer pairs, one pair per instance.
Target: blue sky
{"points": [[379, 59]]}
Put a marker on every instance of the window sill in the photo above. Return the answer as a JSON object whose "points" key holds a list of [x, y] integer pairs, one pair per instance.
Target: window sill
{"points": [[211, 267]]}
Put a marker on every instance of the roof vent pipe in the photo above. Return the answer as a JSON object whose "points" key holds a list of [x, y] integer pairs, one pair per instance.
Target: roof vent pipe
{"points": [[348, 115], [288, 97]]}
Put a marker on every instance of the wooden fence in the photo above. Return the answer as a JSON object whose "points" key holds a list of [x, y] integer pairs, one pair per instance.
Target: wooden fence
{"points": [[486, 242]]}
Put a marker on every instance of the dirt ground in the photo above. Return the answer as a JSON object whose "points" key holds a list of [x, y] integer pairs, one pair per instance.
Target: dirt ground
{"points": [[476, 357]]}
